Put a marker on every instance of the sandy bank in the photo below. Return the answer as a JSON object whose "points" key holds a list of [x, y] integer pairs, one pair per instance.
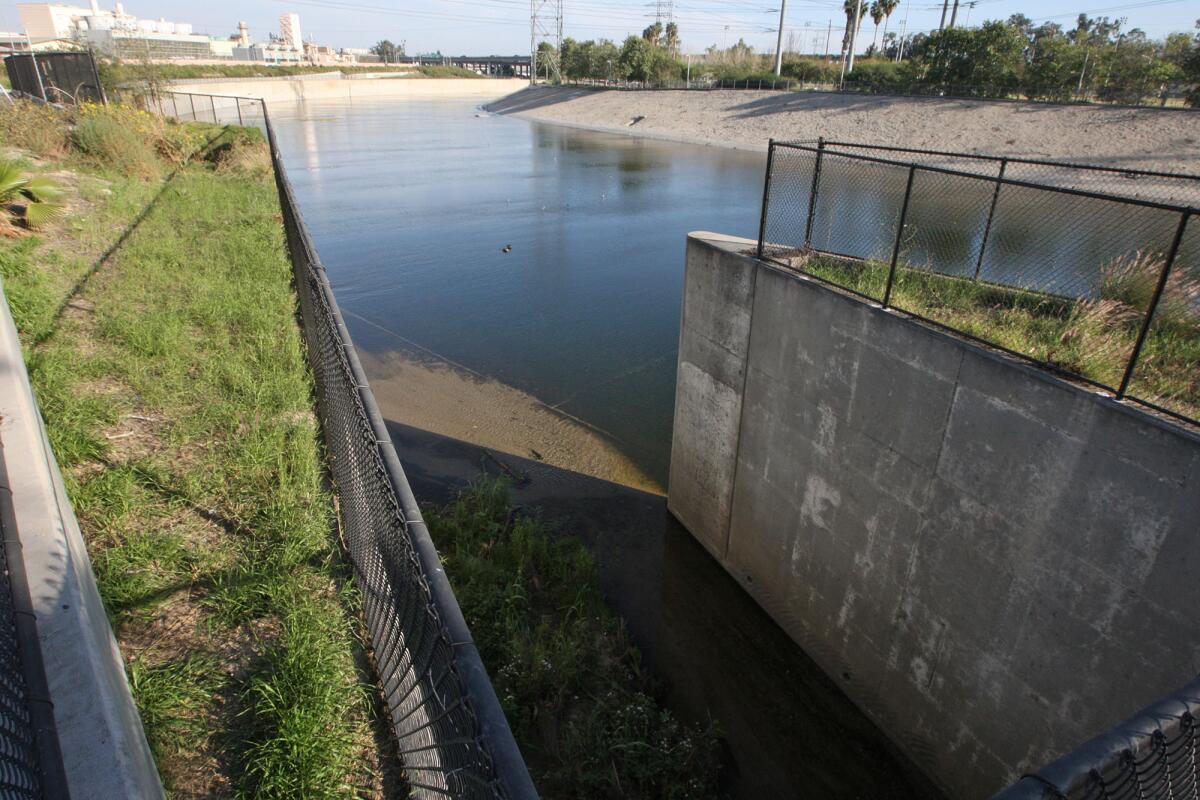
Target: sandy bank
{"points": [[425, 392], [1132, 137]]}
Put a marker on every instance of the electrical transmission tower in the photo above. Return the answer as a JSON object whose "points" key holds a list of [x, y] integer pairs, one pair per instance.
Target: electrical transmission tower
{"points": [[545, 25]]}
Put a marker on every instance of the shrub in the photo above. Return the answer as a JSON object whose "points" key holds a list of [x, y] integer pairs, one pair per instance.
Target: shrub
{"points": [[114, 146], [42, 130]]}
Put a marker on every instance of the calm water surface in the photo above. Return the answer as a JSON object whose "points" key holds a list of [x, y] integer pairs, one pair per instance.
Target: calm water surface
{"points": [[411, 203]]}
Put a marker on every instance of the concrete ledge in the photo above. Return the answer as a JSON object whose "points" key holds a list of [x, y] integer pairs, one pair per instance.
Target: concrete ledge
{"points": [[994, 563], [105, 753]]}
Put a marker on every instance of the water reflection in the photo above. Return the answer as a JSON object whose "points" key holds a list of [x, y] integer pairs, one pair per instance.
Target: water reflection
{"points": [[414, 202]]}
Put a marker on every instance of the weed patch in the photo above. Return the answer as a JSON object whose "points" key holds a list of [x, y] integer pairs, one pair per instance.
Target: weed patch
{"points": [[581, 705]]}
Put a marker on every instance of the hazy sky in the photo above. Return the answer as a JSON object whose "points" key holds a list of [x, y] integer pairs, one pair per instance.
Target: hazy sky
{"points": [[502, 26]]}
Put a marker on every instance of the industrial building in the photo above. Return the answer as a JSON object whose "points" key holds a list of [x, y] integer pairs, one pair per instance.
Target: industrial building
{"points": [[119, 34]]}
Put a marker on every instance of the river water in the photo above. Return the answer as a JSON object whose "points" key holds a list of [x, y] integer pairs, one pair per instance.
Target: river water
{"points": [[411, 205]]}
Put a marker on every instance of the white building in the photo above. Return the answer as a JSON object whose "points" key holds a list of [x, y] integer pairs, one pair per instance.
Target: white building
{"points": [[289, 31], [114, 32]]}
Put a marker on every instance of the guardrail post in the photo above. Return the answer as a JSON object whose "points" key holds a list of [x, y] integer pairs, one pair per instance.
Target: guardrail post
{"points": [[174, 106], [987, 228], [1150, 309], [887, 292], [762, 220], [812, 194]]}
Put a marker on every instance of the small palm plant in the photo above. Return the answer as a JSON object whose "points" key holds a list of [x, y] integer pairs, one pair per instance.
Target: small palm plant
{"points": [[27, 200]]}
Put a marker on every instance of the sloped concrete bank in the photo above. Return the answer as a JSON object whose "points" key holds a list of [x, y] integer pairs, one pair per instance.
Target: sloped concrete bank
{"points": [[325, 88], [1145, 138], [995, 564]]}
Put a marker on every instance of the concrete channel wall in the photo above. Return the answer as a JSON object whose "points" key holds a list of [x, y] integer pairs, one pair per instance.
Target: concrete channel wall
{"points": [[104, 750], [995, 564], [325, 88]]}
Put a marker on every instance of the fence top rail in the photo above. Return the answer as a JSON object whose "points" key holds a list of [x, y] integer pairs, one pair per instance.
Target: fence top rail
{"points": [[1135, 736], [1016, 160], [214, 96], [1114, 198]]}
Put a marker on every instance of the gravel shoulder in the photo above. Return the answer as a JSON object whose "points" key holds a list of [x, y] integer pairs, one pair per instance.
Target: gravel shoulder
{"points": [[1144, 138]]}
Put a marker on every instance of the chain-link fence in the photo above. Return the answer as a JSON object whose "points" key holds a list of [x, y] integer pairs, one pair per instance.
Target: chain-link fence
{"points": [[1154, 754], [30, 759], [454, 739], [248, 112], [1093, 272]]}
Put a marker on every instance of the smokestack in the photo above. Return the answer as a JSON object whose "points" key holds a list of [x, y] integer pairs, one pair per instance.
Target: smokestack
{"points": [[96, 8]]}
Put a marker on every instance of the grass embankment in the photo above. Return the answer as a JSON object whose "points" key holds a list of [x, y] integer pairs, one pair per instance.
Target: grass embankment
{"points": [[1092, 338], [580, 704], [177, 398]]}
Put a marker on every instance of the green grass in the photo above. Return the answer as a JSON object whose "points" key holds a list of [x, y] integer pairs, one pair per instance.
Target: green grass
{"points": [[179, 404], [580, 704], [1090, 338]]}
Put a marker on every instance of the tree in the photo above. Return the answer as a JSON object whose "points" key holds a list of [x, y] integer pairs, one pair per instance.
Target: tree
{"points": [[877, 15], [387, 52], [640, 60], [888, 6], [672, 39], [653, 33], [984, 61]]}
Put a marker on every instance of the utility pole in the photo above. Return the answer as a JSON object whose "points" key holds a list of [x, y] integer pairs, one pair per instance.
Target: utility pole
{"points": [[779, 40], [854, 34], [945, 8], [954, 14], [828, 34], [903, 30]]}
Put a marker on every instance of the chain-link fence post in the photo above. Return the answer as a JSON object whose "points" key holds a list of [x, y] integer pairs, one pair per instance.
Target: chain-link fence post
{"points": [[212, 100], [887, 292], [192, 100], [238, 102], [812, 195], [762, 220], [174, 106], [987, 227], [1150, 309]]}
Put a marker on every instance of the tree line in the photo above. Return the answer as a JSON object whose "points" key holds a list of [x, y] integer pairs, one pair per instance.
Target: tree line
{"points": [[1097, 59]]}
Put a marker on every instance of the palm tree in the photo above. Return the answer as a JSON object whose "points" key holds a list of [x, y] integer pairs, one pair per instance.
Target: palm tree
{"points": [[887, 6], [877, 16], [852, 24], [672, 38], [33, 201]]}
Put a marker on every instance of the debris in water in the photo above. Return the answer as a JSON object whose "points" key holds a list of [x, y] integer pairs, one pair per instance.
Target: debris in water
{"points": [[506, 249]]}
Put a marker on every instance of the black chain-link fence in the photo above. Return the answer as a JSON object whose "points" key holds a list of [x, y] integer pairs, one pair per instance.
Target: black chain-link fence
{"points": [[30, 759], [454, 739], [56, 77], [453, 736], [1093, 272], [1154, 754]]}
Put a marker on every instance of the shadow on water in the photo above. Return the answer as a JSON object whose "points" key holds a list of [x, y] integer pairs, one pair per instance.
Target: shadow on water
{"points": [[789, 729]]}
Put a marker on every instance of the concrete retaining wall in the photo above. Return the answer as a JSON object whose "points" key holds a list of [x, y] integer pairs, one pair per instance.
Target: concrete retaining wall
{"points": [[275, 89], [995, 564], [105, 754]]}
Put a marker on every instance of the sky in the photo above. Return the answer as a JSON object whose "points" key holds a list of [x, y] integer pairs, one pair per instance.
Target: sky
{"points": [[501, 27]]}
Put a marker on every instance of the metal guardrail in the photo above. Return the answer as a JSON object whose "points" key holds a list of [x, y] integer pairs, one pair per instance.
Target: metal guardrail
{"points": [[1153, 754], [454, 740], [31, 762], [938, 234]]}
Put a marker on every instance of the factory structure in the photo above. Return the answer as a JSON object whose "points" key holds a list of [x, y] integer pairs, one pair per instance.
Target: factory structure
{"points": [[119, 34]]}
